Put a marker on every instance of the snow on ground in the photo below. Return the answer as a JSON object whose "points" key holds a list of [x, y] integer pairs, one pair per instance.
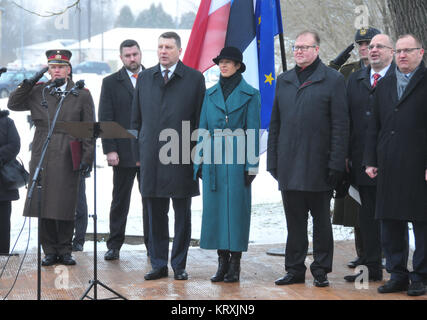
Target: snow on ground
{"points": [[268, 224]]}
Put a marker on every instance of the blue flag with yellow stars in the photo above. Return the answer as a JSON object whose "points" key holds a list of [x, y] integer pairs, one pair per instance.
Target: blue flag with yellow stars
{"points": [[268, 25]]}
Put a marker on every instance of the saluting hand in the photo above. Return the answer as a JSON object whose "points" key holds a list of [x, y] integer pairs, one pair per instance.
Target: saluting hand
{"points": [[371, 172]]}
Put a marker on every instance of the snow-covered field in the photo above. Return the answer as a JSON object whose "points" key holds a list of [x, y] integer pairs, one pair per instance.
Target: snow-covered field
{"points": [[268, 223]]}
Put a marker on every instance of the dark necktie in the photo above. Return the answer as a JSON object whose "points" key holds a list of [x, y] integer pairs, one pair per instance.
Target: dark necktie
{"points": [[166, 77], [376, 76]]}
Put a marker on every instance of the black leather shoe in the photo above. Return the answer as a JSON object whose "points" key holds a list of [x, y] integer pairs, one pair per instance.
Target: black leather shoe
{"points": [[77, 247], [112, 254], [180, 275], [416, 288], [157, 274], [393, 286], [290, 278], [356, 262], [321, 281], [49, 260], [66, 259], [373, 276]]}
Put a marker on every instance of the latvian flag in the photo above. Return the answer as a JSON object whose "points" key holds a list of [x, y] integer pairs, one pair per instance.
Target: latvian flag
{"points": [[221, 23]]}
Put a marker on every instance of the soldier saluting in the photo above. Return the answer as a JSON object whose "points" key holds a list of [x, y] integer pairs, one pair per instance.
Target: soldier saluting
{"points": [[58, 178]]}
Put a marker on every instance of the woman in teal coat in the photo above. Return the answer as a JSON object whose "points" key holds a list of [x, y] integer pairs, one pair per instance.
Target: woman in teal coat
{"points": [[227, 161]]}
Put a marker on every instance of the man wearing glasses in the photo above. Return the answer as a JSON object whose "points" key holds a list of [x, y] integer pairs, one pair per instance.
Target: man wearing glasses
{"points": [[346, 209], [307, 146], [360, 88], [396, 153]]}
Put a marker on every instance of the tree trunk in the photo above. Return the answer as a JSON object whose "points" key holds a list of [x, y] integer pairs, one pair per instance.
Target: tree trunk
{"points": [[410, 16]]}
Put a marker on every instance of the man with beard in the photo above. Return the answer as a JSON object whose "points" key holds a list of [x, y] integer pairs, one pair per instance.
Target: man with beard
{"points": [[116, 105]]}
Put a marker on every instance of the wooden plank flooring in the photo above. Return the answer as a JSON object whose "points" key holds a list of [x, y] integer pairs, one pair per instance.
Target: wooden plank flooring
{"points": [[126, 276]]}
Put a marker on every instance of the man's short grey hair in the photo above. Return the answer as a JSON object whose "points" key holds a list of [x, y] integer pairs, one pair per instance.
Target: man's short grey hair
{"points": [[172, 35], [417, 40], [313, 33]]}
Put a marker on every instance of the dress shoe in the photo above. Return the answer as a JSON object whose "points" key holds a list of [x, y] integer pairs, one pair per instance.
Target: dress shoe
{"points": [[67, 260], [356, 262], [77, 247], [157, 274], [49, 260], [321, 281], [290, 278], [416, 288], [112, 254], [180, 275], [393, 286], [373, 276]]}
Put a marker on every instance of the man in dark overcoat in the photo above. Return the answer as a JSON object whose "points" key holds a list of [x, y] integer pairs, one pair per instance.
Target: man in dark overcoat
{"points": [[346, 209], [360, 88], [307, 146], [59, 180], [396, 153], [116, 105], [166, 110]]}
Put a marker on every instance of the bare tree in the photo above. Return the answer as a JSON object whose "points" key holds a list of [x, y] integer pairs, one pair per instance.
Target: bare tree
{"points": [[410, 16], [49, 14]]}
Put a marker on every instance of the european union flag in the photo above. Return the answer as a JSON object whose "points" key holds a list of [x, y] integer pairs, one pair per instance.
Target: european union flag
{"points": [[268, 24]]}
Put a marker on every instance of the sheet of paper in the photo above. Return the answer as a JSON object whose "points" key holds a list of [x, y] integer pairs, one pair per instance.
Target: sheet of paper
{"points": [[354, 194]]}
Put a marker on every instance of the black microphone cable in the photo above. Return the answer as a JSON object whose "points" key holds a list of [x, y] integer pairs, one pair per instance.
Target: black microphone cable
{"points": [[23, 258]]}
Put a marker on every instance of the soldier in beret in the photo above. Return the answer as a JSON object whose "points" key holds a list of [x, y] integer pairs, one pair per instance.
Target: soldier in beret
{"points": [[59, 180]]}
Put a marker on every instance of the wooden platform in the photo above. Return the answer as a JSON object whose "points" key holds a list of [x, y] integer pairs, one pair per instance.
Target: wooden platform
{"points": [[125, 276]]}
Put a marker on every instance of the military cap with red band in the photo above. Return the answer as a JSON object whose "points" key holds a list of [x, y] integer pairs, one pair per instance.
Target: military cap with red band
{"points": [[58, 56]]}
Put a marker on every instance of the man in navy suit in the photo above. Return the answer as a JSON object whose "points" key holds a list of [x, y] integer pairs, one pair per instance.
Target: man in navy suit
{"points": [[116, 105]]}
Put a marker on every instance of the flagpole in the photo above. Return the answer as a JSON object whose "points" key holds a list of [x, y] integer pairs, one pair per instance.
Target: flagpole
{"points": [[283, 52]]}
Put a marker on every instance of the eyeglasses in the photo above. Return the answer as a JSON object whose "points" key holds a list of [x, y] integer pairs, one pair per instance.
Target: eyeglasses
{"points": [[406, 50], [378, 46], [302, 48]]}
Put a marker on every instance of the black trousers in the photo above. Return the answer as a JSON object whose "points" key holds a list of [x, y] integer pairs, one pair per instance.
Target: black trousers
{"points": [[81, 214], [394, 241], [123, 180], [297, 205], [370, 228], [158, 209], [5, 212], [56, 236]]}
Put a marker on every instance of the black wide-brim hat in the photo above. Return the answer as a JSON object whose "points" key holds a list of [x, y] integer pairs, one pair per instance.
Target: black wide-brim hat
{"points": [[60, 56], [231, 53]]}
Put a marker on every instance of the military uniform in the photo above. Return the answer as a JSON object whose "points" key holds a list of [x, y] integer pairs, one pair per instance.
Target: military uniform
{"points": [[58, 178]]}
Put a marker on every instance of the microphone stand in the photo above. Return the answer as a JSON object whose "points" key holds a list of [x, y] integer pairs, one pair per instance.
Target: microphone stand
{"points": [[36, 182]]}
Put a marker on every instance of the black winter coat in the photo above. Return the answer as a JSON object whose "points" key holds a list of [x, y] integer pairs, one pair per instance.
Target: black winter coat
{"points": [[10, 143], [397, 145], [309, 129], [163, 112], [360, 95], [115, 104]]}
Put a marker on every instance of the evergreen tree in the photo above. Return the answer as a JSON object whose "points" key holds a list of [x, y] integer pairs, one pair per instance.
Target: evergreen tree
{"points": [[154, 17], [125, 18]]}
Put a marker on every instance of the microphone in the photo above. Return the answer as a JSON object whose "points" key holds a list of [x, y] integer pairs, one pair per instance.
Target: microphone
{"points": [[77, 86], [3, 70], [56, 83]]}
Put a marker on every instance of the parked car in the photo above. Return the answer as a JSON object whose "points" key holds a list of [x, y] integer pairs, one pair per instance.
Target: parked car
{"points": [[10, 80], [92, 67]]}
